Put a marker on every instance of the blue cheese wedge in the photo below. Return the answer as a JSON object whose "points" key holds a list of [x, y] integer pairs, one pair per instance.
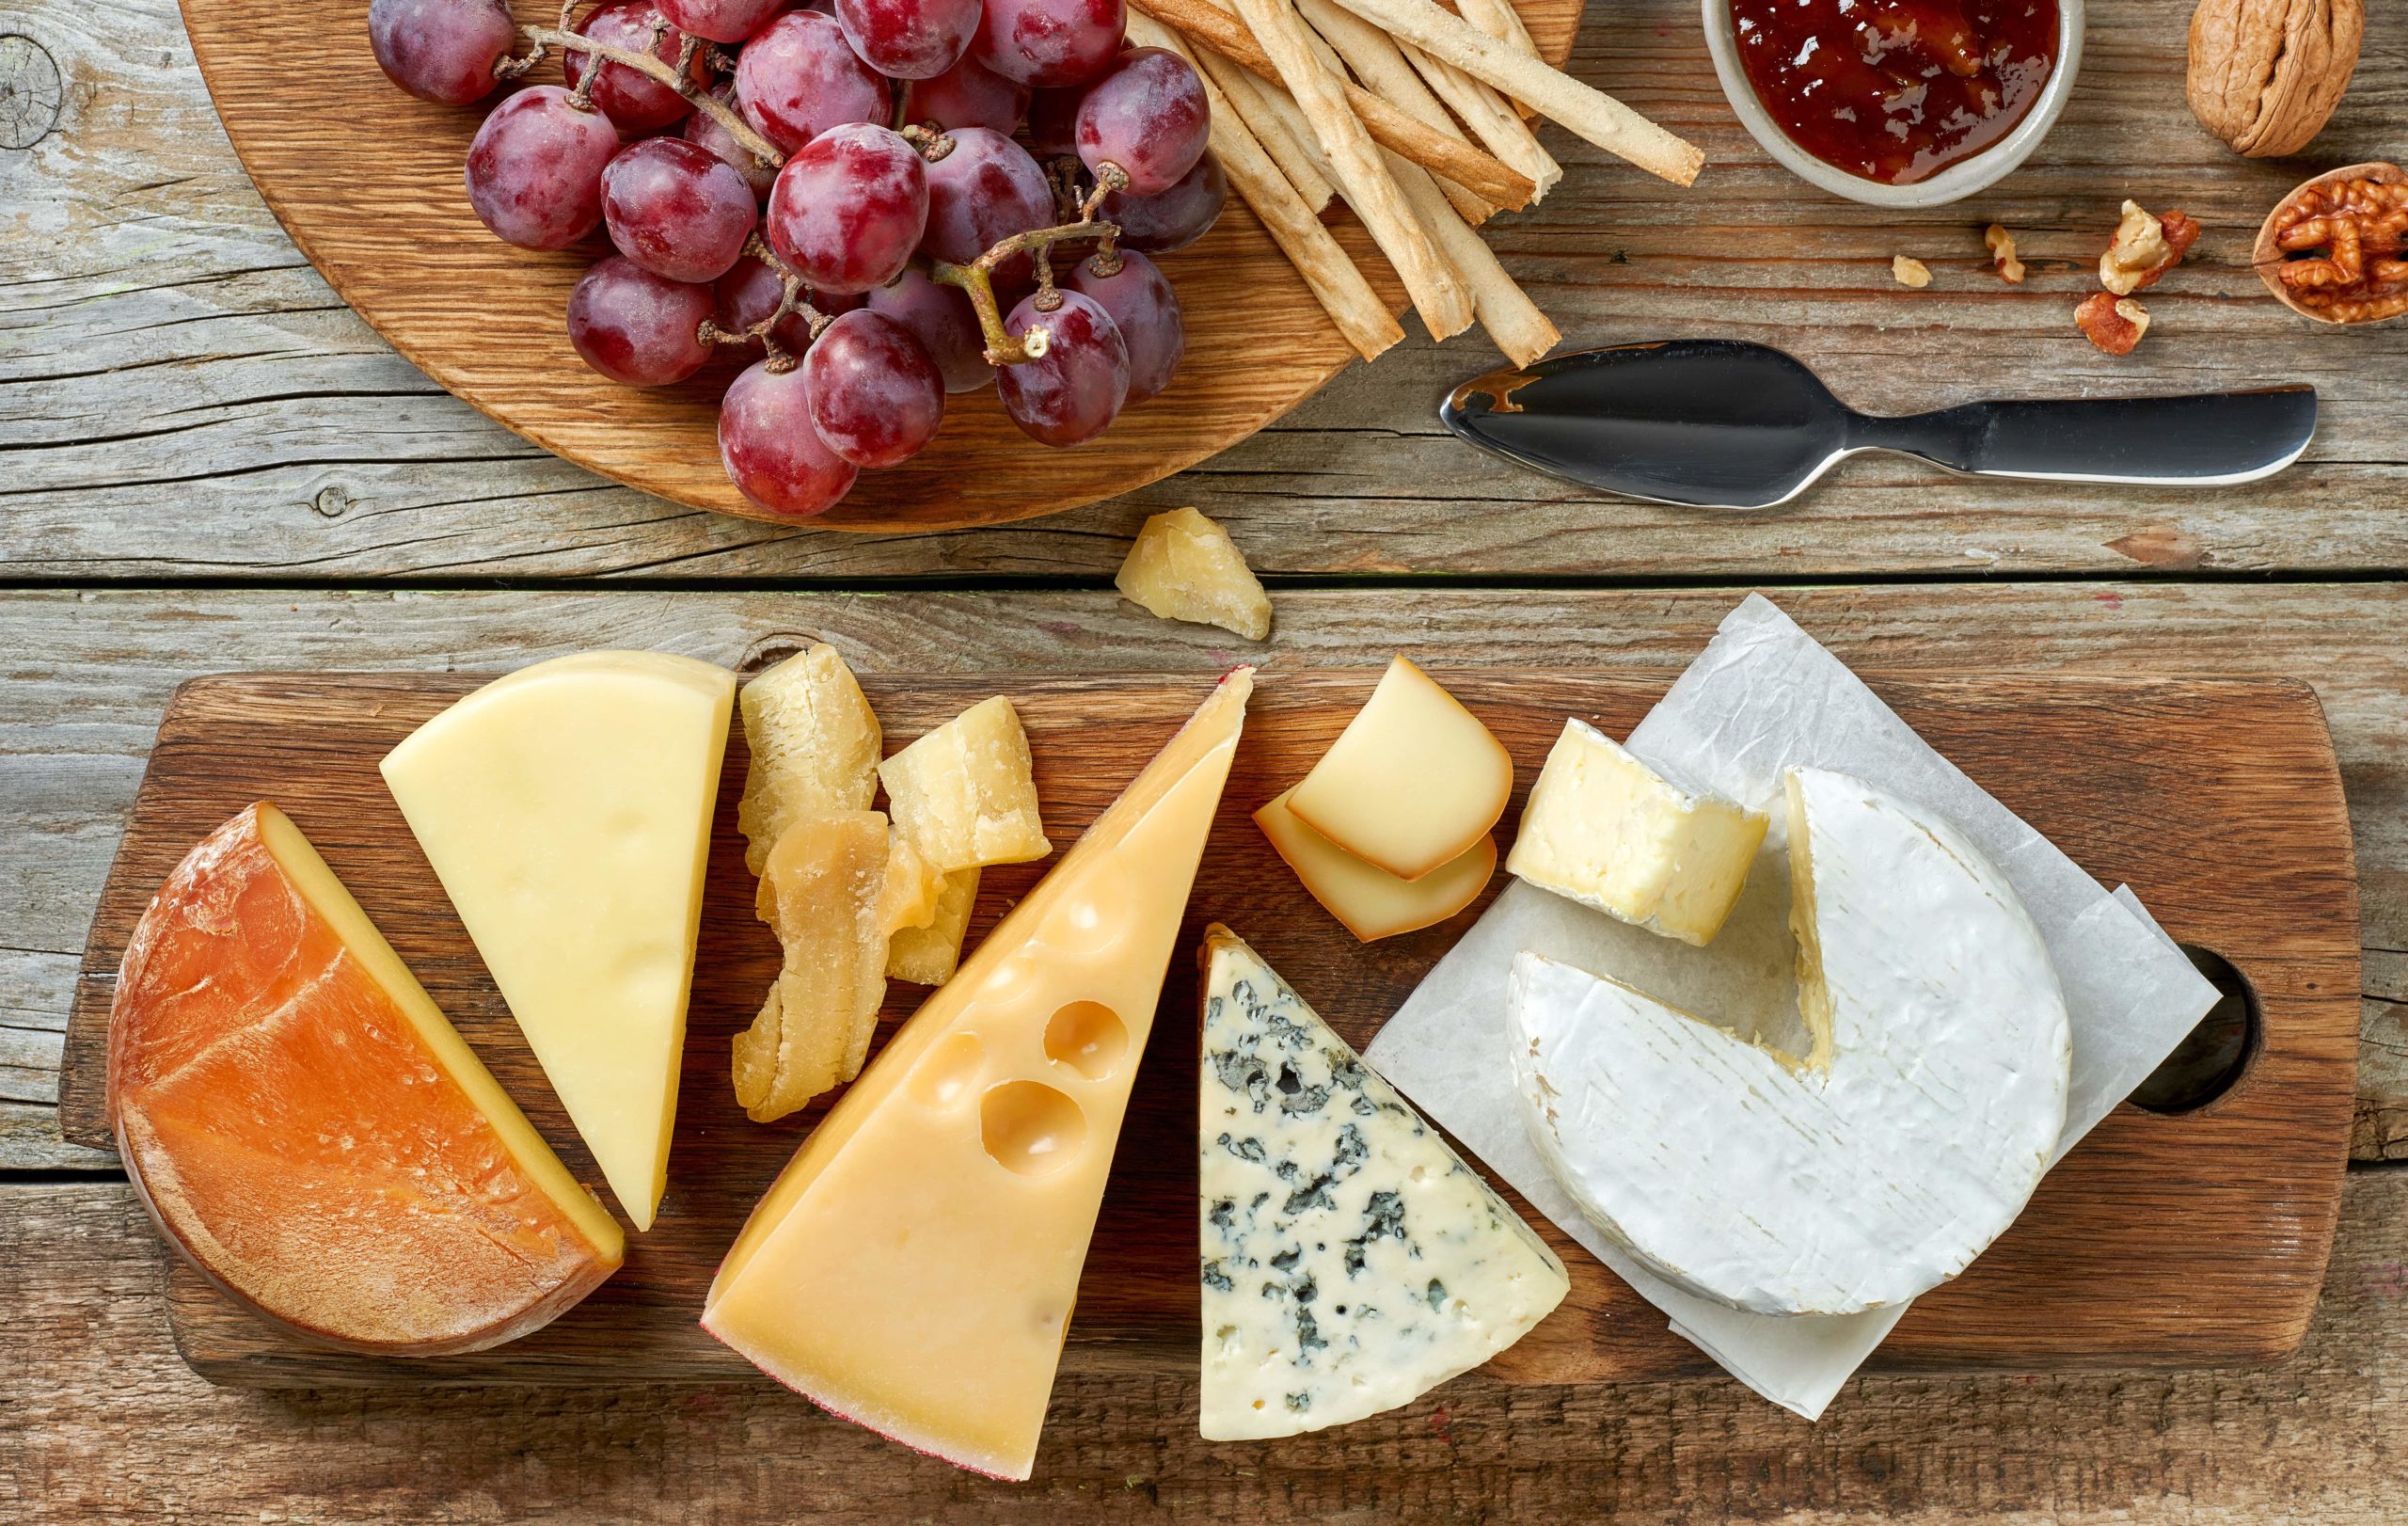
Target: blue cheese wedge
{"points": [[1352, 1262]]}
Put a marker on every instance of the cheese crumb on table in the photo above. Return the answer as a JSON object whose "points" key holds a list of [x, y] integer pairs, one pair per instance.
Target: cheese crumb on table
{"points": [[1184, 566], [1909, 271]]}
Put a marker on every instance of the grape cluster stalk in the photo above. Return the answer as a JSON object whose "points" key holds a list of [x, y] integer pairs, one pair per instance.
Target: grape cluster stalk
{"points": [[887, 202]]}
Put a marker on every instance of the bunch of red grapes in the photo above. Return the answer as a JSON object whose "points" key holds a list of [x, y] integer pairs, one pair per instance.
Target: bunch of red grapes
{"points": [[925, 151]]}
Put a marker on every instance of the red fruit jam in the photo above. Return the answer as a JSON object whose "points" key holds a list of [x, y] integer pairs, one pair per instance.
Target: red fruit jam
{"points": [[1896, 91]]}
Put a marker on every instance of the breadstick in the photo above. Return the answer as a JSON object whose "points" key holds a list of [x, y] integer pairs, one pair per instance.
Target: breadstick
{"points": [[1336, 283], [1499, 20], [1362, 176], [1373, 57], [1592, 113], [1272, 128], [1481, 173], [1494, 120], [1508, 315]]}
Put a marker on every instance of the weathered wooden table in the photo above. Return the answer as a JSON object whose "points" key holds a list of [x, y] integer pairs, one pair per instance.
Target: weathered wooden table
{"points": [[210, 464]]}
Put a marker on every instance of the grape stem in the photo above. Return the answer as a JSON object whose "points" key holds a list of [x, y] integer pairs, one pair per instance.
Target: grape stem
{"points": [[977, 278], [676, 78], [789, 301]]}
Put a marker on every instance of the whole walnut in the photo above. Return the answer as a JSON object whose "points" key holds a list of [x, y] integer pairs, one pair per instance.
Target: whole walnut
{"points": [[2266, 73]]}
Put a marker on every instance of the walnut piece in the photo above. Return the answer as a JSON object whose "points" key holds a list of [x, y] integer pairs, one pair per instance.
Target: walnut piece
{"points": [[2265, 74], [2337, 248], [2114, 323], [2002, 248], [1910, 272], [2143, 248]]}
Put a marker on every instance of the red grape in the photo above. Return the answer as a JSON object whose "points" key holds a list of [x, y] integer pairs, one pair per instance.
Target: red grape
{"points": [[944, 322], [637, 328], [1148, 116], [1054, 122], [849, 207], [1072, 392], [637, 103], [534, 170], [720, 21], [876, 397], [969, 94], [771, 452], [1146, 310], [752, 290], [441, 50], [676, 210], [704, 131], [1170, 219], [1049, 43], [985, 191], [909, 38], [798, 78]]}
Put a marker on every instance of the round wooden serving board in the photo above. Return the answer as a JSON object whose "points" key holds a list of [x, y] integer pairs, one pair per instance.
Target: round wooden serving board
{"points": [[367, 181]]}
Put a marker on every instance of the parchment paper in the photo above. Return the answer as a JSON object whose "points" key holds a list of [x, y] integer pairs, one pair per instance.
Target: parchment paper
{"points": [[1762, 697]]}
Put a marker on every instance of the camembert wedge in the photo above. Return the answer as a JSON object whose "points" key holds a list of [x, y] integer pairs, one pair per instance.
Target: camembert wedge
{"points": [[1609, 832], [1867, 1170], [1352, 1262], [914, 1266], [567, 810]]}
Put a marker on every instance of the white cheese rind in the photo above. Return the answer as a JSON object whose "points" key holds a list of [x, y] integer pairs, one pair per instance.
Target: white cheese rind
{"points": [[1863, 1174], [1352, 1262]]}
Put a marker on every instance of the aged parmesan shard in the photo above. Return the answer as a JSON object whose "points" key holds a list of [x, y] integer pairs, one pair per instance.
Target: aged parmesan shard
{"points": [[308, 1129], [1866, 1170], [567, 808], [1352, 1262], [913, 1267]]}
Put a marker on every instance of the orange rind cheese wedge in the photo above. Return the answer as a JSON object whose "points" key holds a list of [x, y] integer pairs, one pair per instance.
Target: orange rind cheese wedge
{"points": [[312, 1133]]}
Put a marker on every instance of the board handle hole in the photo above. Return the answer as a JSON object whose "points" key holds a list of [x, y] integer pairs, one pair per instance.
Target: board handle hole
{"points": [[2213, 1057]]}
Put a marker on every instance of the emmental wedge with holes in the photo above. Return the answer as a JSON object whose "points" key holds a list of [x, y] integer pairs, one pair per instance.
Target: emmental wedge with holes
{"points": [[914, 1267]]}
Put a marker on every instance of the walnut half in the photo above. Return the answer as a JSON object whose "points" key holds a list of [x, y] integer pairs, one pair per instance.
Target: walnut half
{"points": [[2336, 249], [2265, 74]]}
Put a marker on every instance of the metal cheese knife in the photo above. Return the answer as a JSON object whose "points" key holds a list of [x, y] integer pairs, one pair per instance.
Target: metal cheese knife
{"points": [[1719, 423]]}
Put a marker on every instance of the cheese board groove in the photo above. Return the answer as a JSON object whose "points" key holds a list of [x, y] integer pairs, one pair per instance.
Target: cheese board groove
{"points": [[394, 236], [2183, 1240]]}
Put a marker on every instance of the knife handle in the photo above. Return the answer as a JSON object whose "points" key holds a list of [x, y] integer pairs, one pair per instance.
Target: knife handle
{"points": [[2209, 438]]}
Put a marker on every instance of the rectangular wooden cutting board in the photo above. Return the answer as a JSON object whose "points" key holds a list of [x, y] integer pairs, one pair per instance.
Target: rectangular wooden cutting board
{"points": [[2193, 1239]]}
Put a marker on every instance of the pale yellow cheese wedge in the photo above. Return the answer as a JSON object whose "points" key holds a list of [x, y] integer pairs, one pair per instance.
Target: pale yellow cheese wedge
{"points": [[823, 892], [1184, 566], [913, 886], [1608, 831], [1413, 782], [926, 956], [567, 810], [1371, 902], [914, 1268], [814, 743], [966, 793]]}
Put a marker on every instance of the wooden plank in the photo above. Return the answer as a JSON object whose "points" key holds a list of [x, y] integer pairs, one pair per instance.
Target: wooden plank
{"points": [[88, 674], [187, 399], [101, 1422], [2221, 1264]]}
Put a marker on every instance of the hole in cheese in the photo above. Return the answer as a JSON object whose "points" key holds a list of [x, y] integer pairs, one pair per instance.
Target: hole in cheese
{"points": [[1030, 1128], [951, 1068], [1089, 1037]]}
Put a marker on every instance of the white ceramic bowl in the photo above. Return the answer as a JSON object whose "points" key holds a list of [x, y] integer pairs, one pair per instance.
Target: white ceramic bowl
{"points": [[1959, 180]]}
